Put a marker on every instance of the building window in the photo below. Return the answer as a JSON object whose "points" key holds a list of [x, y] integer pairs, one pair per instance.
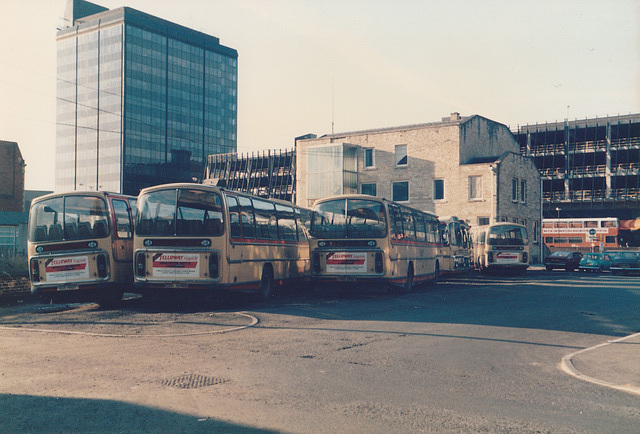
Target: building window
{"points": [[400, 191], [438, 189], [369, 189], [536, 228], [523, 191], [331, 170], [475, 187], [401, 155], [8, 236], [482, 221], [514, 189], [369, 158]]}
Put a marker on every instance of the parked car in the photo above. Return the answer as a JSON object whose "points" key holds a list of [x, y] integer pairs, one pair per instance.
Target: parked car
{"points": [[596, 262], [567, 260], [625, 262]]}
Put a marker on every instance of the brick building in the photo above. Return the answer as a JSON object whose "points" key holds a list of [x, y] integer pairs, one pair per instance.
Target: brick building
{"points": [[14, 201], [11, 196], [470, 167], [11, 177]]}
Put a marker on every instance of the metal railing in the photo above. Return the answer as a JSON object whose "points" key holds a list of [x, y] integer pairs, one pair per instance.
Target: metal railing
{"points": [[594, 145], [626, 167], [625, 194], [548, 148], [589, 170], [553, 171], [627, 141], [588, 145]]}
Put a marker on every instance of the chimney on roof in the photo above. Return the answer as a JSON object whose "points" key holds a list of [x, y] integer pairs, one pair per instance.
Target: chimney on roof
{"points": [[455, 116]]}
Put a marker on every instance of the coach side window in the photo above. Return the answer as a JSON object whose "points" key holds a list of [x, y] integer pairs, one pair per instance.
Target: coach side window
{"points": [[397, 232], [286, 223], [421, 230], [247, 218], [266, 221], [234, 217]]}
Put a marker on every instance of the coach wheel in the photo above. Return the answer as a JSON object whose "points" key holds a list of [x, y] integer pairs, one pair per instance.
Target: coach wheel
{"points": [[436, 274], [408, 282], [111, 298], [483, 268], [46, 299], [266, 284]]}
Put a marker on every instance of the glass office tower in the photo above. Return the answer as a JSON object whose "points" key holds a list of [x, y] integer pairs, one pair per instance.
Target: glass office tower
{"points": [[141, 101]]}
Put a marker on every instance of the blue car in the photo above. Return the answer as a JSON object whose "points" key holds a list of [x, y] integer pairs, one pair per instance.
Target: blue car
{"points": [[595, 262], [626, 262]]}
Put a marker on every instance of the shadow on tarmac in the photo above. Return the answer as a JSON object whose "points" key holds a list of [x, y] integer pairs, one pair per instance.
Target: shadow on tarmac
{"points": [[26, 413], [561, 301], [567, 302]]}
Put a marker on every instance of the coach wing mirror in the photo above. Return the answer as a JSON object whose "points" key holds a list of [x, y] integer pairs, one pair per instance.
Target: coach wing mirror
{"points": [[445, 237], [48, 209]]}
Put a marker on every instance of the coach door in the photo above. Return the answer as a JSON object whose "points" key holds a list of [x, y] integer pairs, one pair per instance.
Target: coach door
{"points": [[123, 231]]}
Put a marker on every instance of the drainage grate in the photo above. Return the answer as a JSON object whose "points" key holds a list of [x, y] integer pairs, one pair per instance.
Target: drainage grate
{"points": [[192, 381]]}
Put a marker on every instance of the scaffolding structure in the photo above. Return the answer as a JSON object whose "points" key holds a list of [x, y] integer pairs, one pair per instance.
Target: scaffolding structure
{"points": [[588, 167], [270, 174]]}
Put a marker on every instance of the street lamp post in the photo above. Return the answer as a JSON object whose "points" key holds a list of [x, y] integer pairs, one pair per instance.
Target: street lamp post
{"points": [[558, 211]]}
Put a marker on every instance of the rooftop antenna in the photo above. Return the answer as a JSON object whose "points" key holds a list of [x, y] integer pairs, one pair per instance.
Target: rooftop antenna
{"points": [[333, 103]]}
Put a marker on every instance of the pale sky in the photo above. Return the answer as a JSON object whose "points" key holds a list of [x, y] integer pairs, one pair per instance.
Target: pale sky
{"points": [[304, 65]]}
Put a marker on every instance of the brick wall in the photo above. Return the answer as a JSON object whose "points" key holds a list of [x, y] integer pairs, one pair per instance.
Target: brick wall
{"points": [[14, 288], [11, 177]]}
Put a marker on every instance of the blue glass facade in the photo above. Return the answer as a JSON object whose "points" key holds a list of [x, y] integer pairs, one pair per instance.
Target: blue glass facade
{"points": [[141, 101]]}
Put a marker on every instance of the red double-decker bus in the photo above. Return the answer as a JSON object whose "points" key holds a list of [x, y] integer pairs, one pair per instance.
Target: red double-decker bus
{"points": [[581, 234]]}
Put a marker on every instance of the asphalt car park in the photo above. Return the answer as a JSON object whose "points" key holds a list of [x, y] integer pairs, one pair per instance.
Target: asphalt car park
{"points": [[472, 353]]}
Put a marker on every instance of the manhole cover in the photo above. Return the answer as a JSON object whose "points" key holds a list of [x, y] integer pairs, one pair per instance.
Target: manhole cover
{"points": [[192, 381]]}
